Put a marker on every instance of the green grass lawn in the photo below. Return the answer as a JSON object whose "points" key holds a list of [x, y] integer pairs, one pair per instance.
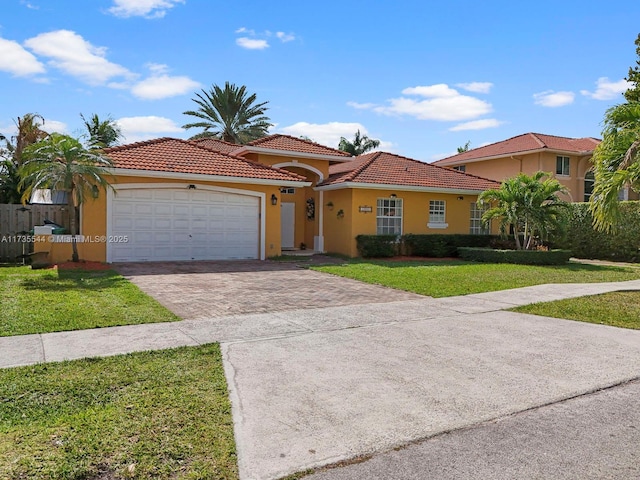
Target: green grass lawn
{"points": [[618, 309], [161, 415], [449, 278], [39, 301]]}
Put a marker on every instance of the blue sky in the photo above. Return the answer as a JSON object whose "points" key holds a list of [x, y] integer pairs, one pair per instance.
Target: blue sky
{"points": [[423, 77]]}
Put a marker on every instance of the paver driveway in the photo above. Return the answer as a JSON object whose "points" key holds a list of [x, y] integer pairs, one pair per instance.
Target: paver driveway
{"points": [[196, 290]]}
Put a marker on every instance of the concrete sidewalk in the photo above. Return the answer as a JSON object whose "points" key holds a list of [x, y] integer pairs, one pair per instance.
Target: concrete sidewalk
{"points": [[54, 347]]}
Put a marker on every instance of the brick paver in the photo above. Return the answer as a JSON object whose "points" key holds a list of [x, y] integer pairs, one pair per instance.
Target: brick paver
{"points": [[209, 289]]}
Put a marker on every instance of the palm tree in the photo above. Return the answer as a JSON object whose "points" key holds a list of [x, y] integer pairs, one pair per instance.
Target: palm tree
{"points": [[60, 162], [102, 133], [28, 132], [465, 147], [616, 163], [229, 114], [529, 203], [361, 144]]}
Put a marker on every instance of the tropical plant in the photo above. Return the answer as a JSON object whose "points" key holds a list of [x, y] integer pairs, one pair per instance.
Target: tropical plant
{"points": [[28, 131], [102, 133], [616, 163], [360, 144], [530, 204], [229, 114], [60, 162], [633, 93], [465, 147]]}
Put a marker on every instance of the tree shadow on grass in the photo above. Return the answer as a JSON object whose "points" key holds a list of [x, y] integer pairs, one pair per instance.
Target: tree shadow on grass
{"points": [[75, 280]]}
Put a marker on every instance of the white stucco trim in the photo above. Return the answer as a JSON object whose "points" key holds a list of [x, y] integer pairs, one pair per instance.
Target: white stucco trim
{"points": [[398, 188], [512, 155], [140, 186], [207, 178], [301, 165]]}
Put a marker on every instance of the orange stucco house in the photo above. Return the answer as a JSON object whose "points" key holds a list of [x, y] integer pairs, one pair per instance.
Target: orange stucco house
{"points": [[567, 159], [175, 199]]}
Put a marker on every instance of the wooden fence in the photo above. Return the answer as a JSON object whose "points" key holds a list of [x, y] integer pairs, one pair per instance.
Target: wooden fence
{"points": [[17, 222]]}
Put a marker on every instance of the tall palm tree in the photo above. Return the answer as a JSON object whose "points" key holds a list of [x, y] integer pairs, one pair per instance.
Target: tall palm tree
{"points": [[531, 204], [102, 133], [229, 114], [360, 144], [616, 163], [28, 132], [60, 162]]}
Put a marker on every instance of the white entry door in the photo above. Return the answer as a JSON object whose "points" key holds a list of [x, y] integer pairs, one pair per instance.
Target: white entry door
{"points": [[288, 224], [182, 224]]}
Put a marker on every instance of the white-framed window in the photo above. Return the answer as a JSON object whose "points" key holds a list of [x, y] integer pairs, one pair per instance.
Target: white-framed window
{"points": [[389, 216], [476, 225], [437, 214], [460, 168], [288, 190], [562, 166], [589, 180]]}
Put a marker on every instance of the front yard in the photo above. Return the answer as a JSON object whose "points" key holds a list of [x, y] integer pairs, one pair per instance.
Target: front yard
{"points": [[161, 415], [450, 278], [166, 414], [40, 301]]}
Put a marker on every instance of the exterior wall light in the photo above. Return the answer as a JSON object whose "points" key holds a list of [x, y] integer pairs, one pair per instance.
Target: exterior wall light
{"points": [[274, 199], [460, 197], [191, 187], [393, 195]]}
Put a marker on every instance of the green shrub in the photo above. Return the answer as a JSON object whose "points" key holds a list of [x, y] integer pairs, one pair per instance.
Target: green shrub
{"points": [[378, 245], [522, 257], [621, 244], [442, 245]]}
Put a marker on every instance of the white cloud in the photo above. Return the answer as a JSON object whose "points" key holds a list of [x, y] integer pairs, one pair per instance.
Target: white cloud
{"points": [[285, 37], [442, 103], [477, 125], [329, 133], [553, 99], [142, 8], [72, 54], [361, 106], [160, 85], [51, 126], [440, 90], [18, 61], [136, 129], [606, 89], [252, 43], [477, 87]]}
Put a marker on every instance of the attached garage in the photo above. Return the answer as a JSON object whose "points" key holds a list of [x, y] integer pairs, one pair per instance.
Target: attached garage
{"points": [[186, 222]]}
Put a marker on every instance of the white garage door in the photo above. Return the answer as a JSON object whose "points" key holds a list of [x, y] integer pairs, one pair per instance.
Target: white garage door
{"points": [[182, 224]]}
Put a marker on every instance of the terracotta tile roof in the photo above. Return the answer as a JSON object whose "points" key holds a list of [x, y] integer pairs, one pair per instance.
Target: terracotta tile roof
{"points": [[217, 145], [182, 156], [391, 169], [522, 144], [288, 143]]}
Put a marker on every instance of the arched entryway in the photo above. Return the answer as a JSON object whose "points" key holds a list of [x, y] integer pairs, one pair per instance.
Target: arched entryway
{"points": [[301, 215]]}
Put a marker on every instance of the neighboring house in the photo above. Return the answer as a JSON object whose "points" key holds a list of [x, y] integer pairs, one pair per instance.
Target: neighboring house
{"points": [[567, 159], [208, 199]]}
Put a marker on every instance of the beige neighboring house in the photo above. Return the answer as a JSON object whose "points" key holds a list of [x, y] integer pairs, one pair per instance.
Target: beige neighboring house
{"points": [[567, 159]]}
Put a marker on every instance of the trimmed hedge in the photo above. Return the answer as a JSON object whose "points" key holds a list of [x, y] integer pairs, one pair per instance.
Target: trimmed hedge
{"points": [[523, 257], [378, 245], [442, 245], [435, 245], [621, 244]]}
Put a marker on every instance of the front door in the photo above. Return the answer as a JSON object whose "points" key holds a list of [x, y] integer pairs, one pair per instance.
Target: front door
{"points": [[287, 225]]}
